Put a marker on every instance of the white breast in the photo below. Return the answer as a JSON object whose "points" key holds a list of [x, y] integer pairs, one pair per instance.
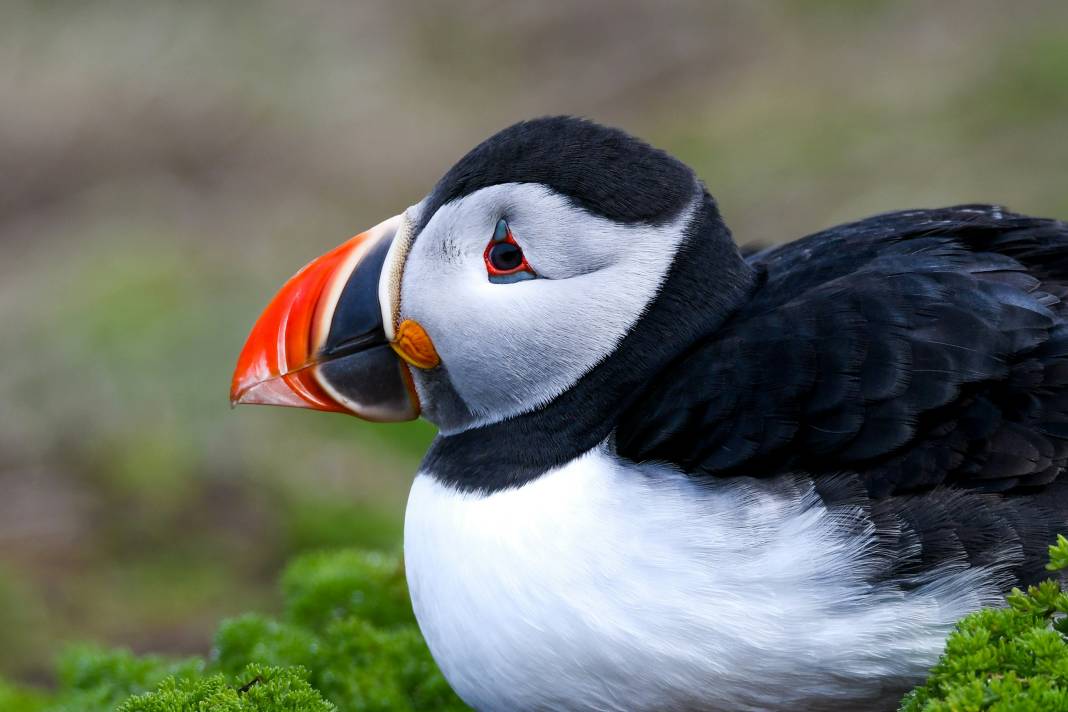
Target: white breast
{"points": [[605, 586]]}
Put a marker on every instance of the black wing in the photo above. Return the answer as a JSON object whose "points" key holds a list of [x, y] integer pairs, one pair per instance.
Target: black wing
{"points": [[911, 350]]}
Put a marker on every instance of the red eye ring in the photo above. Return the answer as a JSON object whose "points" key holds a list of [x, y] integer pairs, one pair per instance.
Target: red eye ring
{"points": [[501, 252]]}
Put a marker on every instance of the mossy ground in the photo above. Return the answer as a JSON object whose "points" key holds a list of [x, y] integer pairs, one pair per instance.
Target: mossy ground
{"points": [[1012, 659], [346, 641]]}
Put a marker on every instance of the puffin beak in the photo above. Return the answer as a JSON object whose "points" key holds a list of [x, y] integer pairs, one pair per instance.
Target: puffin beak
{"points": [[328, 340]]}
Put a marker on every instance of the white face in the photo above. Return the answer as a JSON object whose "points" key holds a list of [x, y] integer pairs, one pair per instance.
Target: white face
{"points": [[509, 348]]}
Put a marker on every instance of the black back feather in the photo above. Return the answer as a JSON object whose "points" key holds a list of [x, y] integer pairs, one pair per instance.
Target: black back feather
{"points": [[921, 356]]}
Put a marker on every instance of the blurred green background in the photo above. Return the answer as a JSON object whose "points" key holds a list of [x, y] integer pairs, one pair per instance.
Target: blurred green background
{"points": [[164, 167]]}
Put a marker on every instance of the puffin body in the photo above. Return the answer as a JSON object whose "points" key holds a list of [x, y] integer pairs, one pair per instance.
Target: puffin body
{"points": [[605, 585], [668, 477]]}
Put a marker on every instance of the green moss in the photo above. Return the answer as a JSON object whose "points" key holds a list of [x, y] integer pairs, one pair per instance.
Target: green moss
{"points": [[321, 587], [94, 679], [1013, 659], [349, 622], [368, 668], [347, 641], [258, 688], [253, 637]]}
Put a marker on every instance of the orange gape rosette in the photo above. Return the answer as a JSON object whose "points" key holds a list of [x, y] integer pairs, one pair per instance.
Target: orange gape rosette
{"points": [[413, 344]]}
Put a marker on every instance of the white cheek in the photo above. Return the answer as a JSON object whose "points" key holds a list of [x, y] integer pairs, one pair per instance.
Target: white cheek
{"points": [[509, 348]]}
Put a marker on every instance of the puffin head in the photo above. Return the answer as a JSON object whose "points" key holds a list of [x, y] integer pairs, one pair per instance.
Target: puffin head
{"points": [[552, 249]]}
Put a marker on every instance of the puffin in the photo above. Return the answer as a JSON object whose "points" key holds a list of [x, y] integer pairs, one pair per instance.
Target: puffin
{"points": [[668, 475]]}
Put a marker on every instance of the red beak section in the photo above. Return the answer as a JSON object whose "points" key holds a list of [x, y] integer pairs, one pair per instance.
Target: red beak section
{"points": [[320, 344], [275, 366]]}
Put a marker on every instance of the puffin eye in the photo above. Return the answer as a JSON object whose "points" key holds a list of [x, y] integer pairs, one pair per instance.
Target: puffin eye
{"points": [[504, 258]]}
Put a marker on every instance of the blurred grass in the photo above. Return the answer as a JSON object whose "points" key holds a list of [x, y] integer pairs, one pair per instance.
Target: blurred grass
{"points": [[167, 166]]}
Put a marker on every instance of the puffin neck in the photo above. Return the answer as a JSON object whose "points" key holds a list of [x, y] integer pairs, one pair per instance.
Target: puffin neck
{"points": [[708, 280]]}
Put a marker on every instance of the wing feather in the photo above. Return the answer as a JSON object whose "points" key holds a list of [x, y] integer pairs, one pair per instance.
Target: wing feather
{"points": [[918, 349]]}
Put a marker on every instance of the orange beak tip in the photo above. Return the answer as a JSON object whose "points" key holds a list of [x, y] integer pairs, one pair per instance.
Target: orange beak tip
{"points": [[285, 362], [271, 369]]}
